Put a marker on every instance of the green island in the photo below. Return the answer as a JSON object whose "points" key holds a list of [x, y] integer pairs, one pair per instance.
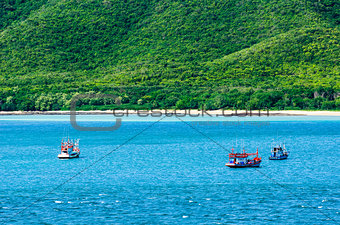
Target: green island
{"points": [[244, 54]]}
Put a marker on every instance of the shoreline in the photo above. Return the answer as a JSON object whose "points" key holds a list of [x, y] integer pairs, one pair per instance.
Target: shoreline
{"points": [[180, 112]]}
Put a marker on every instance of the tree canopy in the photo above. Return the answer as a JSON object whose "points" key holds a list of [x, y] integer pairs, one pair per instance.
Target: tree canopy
{"points": [[281, 54]]}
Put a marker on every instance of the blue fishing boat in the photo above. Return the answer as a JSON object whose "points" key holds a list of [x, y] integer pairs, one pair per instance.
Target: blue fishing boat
{"points": [[279, 153]]}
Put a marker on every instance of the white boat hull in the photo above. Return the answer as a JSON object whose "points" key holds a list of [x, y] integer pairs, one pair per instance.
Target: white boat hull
{"points": [[68, 156]]}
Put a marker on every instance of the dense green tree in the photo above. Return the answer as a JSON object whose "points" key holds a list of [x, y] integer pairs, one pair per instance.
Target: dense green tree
{"points": [[170, 54]]}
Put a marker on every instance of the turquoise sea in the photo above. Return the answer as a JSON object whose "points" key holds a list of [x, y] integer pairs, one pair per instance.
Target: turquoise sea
{"points": [[169, 172]]}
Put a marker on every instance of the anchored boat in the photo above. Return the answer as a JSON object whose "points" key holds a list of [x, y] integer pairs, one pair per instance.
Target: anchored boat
{"points": [[241, 160], [279, 153], [69, 149]]}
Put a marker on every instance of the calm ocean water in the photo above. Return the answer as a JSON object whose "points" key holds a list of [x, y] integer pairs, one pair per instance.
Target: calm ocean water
{"points": [[169, 172]]}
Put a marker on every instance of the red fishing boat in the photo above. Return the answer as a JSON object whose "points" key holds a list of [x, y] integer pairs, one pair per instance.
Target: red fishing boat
{"points": [[69, 149], [241, 160]]}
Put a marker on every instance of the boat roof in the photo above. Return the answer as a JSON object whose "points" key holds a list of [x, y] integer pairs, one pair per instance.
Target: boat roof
{"points": [[240, 155]]}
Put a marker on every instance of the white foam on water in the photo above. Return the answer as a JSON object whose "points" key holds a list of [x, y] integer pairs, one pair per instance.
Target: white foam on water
{"points": [[185, 216], [191, 201], [58, 202]]}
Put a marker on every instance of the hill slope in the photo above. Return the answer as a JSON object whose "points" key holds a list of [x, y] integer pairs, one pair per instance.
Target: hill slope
{"points": [[52, 50]]}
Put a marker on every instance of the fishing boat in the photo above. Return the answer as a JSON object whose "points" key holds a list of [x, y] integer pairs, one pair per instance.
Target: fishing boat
{"points": [[279, 153], [69, 149], [242, 160]]}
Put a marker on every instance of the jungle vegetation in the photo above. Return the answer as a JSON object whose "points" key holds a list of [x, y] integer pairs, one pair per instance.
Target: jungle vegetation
{"points": [[254, 54]]}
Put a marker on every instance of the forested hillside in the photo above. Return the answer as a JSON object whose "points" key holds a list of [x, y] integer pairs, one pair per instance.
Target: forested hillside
{"points": [[281, 54]]}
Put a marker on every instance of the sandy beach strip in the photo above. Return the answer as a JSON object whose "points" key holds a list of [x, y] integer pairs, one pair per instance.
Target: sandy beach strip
{"points": [[181, 112]]}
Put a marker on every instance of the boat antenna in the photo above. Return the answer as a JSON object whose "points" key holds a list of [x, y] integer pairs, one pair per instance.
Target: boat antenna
{"points": [[271, 145], [68, 132]]}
